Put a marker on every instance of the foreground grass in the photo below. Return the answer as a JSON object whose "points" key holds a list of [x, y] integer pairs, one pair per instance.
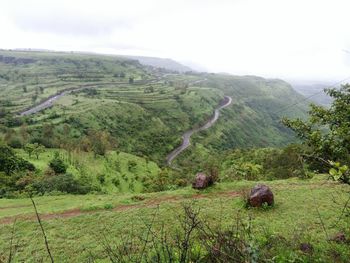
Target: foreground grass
{"points": [[303, 210]]}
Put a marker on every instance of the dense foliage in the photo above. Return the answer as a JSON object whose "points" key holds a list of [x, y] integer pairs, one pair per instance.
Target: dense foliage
{"points": [[326, 135], [146, 117], [13, 170], [264, 164], [57, 164]]}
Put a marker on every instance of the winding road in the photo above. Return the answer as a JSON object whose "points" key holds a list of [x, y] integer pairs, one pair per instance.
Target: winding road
{"points": [[187, 135], [47, 103]]}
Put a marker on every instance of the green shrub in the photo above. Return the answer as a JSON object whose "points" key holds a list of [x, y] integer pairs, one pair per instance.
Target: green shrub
{"points": [[15, 142], [116, 182], [132, 165], [65, 183], [265, 164], [58, 165], [101, 178]]}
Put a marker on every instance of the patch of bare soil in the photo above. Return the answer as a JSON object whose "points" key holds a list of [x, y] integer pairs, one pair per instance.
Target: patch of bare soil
{"points": [[148, 203]]}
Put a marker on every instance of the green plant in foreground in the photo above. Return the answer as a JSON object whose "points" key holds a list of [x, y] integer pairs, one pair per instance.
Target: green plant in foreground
{"points": [[339, 172]]}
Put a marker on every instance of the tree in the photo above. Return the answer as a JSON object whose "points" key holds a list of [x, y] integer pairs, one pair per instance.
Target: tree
{"points": [[24, 132], [34, 148], [29, 149], [10, 162], [100, 142], [48, 135], [326, 134], [38, 150], [10, 133]]}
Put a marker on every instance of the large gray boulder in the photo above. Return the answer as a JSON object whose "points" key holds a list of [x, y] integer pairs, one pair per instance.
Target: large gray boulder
{"points": [[259, 195], [202, 181]]}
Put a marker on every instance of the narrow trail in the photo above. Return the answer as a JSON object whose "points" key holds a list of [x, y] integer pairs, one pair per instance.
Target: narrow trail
{"points": [[147, 203], [187, 135]]}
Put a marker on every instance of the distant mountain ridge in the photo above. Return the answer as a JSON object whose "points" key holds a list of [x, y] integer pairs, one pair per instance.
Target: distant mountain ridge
{"points": [[315, 92], [165, 63]]}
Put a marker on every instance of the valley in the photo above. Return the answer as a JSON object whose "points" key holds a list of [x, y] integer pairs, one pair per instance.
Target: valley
{"points": [[187, 135], [101, 153]]}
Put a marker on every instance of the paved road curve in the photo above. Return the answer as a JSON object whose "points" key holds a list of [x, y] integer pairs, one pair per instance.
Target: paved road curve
{"points": [[47, 103], [187, 135]]}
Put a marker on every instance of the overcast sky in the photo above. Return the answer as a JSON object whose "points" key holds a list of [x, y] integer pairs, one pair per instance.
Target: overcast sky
{"points": [[296, 39]]}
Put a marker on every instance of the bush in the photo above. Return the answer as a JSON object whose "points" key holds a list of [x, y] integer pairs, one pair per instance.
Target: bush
{"points": [[58, 165], [116, 182], [101, 178], [166, 179], [16, 143], [132, 165], [265, 163], [65, 183]]}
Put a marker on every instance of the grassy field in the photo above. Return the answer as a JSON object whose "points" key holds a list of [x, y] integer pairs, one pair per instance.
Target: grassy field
{"points": [[77, 226]]}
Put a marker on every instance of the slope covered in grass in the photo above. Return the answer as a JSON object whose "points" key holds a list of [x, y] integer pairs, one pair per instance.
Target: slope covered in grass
{"points": [[117, 172], [146, 115], [305, 211]]}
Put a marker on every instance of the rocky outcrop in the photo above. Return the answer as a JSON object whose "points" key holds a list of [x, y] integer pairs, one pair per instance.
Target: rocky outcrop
{"points": [[259, 195]]}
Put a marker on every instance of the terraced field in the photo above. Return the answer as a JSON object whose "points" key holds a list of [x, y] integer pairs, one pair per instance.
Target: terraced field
{"points": [[145, 109]]}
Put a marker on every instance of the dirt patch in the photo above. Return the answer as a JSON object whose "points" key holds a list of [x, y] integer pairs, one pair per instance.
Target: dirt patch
{"points": [[148, 203], [14, 206]]}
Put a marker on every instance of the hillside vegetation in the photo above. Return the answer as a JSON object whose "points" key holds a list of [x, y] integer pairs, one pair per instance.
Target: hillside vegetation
{"points": [[144, 109], [84, 177]]}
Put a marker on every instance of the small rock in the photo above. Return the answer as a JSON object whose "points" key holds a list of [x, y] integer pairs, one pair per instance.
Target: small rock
{"points": [[261, 194], [306, 248], [202, 181], [339, 238]]}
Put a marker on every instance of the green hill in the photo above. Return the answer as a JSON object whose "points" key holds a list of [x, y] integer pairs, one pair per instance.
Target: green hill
{"points": [[91, 154], [145, 110]]}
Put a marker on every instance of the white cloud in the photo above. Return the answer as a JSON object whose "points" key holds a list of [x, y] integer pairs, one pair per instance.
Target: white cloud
{"points": [[273, 38]]}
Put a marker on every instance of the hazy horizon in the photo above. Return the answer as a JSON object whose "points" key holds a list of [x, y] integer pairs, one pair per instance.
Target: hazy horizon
{"points": [[291, 40]]}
